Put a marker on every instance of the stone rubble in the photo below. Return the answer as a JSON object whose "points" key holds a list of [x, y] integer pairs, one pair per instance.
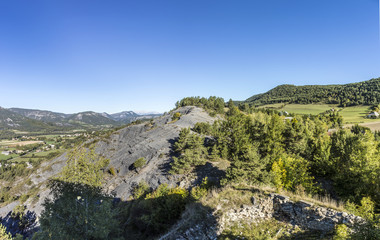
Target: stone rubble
{"points": [[300, 214]]}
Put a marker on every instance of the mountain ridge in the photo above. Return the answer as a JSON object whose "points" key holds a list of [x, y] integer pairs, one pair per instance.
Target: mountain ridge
{"points": [[35, 119]]}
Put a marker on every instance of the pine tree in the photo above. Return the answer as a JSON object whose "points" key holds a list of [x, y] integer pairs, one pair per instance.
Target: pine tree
{"points": [[78, 209], [4, 235]]}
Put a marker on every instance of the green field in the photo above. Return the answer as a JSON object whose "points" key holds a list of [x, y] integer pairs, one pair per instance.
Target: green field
{"points": [[6, 157], [301, 108], [351, 115], [29, 156], [356, 114]]}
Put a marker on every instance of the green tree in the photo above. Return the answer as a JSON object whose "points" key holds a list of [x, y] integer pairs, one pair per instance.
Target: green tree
{"points": [[4, 235], [291, 173], [355, 162], [191, 149], [370, 229], [78, 208], [84, 167], [77, 211], [214, 153]]}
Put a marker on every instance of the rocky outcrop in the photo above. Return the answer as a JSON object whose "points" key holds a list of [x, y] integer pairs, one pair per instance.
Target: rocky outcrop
{"points": [[299, 214], [311, 217], [261, 209], [206, 229]]}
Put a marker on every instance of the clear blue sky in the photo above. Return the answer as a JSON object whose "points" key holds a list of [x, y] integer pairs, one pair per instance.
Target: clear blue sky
{"points": [[71, 55]]}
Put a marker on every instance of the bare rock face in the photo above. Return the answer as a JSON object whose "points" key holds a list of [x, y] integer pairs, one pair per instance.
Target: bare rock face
{"points": [[152, 141]]}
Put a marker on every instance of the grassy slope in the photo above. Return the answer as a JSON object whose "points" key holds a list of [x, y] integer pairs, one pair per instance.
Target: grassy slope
{"points": [[301, 108], [351, 115]]}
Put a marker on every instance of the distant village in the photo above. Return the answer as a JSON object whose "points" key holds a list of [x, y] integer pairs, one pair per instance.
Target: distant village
{"points": [[27, 146]]}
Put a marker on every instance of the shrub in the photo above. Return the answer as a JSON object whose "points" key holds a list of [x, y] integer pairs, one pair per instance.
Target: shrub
{"points": [[370, 229], [342, 232], [176, 116], [202, 128], [160, 209], [200, 191], [140, 190], [18, 212], [139, 163], [112, 171]]}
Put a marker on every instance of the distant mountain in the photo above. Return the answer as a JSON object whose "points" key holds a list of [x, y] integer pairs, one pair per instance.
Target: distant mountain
{"points": [[367, 93], [42, 115], [130, 116], [13, 121], [91, 118], [61, 119], [36, 120], [124, 116]]}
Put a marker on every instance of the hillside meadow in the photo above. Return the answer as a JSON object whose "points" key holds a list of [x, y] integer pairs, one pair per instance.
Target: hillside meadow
{"points": [[351, 115]]}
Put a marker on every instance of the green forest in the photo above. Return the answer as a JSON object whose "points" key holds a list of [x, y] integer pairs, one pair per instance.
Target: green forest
{"points": [[353, 94]]}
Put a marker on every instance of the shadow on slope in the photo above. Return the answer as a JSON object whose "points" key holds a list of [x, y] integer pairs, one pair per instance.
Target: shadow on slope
{"points": [[17, 223]]}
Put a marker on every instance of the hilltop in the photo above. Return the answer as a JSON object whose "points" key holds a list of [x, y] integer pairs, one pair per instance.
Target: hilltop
{"points": [[353, 94]]}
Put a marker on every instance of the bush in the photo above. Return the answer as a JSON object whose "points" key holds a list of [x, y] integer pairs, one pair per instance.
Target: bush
{"points": [[112, 171], [176, 116], [342, 232], [139, 163], [159, 210], [202, 128], [199, 192], [140, 190]]}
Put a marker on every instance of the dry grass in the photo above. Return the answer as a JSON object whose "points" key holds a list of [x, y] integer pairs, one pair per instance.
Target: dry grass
{"points": [[317, 200], [232, 196], [374, 126], [221, 164], [18, 143], [228, 197]]}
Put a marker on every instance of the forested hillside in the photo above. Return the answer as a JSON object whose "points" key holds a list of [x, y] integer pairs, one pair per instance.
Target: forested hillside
{"points": [[367, 93], [10, 120]]}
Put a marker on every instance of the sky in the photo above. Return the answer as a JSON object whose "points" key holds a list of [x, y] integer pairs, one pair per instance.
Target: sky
{"points": [[110, 56]]}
